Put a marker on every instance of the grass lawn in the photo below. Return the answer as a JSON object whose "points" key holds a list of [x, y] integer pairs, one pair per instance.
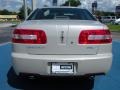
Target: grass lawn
{"points": [[14, 22], [114, 28]]}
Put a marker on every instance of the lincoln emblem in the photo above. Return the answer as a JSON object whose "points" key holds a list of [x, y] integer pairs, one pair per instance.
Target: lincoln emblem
{"points": [[62, 37]]}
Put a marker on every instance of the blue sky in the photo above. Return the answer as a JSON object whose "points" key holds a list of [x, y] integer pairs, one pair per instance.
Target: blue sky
{"points": [[14, 5]]}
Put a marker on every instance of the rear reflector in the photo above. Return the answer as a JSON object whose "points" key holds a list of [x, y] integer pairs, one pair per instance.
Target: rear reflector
{"points": [[29, 36], [95, 37]]}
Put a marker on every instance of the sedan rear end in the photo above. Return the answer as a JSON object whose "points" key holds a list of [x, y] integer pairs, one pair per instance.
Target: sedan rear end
{"points": [[61, 42]]}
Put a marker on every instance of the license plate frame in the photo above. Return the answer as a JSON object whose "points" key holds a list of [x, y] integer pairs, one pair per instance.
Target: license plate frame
{"points": [[62, 68]]}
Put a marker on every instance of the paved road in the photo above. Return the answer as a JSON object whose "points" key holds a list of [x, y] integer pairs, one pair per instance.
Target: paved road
{"points": [[116, 35], [5, 34]]}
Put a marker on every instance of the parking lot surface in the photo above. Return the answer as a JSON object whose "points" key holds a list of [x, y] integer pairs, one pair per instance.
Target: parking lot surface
{"points": [[116, 35], [8, 80], [5, 34]]}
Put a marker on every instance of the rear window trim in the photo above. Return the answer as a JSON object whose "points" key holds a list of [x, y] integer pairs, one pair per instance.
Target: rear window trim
{"points": [[84, 10]]}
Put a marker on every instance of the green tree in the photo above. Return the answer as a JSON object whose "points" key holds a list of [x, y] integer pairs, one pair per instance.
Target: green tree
{"points": [[103, 13], [72, 3], [5, 12], [21, 12]]}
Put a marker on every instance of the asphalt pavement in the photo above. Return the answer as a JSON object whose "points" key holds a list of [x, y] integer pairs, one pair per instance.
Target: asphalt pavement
{"points": [[116, 35], [5, 34]]}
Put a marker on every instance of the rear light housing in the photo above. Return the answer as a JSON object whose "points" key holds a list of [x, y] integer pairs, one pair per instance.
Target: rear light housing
{"points": [[28, 36], [95, 37]]}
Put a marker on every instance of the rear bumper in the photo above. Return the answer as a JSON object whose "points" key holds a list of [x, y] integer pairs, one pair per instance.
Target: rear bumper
{"points": [[40, 64]]}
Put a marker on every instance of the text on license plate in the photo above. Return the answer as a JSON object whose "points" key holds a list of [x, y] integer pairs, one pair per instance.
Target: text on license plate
{"points": [[62, 68]]}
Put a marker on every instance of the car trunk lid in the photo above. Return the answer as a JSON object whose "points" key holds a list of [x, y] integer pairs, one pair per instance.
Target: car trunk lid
{"points": [[62, 36]]}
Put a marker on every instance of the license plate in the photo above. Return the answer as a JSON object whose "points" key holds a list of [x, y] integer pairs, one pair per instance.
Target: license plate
{"points": [[62, 68]]}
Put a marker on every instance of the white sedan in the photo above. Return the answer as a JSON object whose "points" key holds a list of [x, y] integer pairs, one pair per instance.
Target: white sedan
{"points": [[61, 41], [117, 21]]}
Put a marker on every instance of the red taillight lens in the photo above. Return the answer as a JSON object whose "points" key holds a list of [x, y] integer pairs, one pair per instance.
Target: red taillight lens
{"points": [[95, 37], [29, 36]]}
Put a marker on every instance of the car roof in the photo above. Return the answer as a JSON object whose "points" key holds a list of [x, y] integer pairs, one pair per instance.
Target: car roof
{"points": [[61, 7]]}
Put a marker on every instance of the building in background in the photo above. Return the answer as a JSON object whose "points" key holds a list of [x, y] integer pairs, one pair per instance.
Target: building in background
{"points": [[34, 3], [94, 7], [8, 17], [54, 2], [117, 10]]}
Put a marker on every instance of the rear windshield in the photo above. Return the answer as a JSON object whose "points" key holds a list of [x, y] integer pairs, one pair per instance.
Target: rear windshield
{"points": [[61, 14]]}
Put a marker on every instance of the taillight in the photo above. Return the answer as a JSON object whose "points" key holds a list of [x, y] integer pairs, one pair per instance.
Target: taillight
{"points": [[95, 37], [26, 36]]}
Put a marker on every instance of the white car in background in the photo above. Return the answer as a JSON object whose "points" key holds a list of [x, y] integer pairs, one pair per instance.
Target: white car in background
{"points": [[117, 21], [61, 41]]}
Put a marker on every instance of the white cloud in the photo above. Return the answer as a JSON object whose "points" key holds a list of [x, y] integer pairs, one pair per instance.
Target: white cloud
{"points": [[104, 5], [41, 3], [14, 5]]}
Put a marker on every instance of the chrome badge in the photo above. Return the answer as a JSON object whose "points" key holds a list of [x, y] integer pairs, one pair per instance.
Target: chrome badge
{"points": [[62, 37]]}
